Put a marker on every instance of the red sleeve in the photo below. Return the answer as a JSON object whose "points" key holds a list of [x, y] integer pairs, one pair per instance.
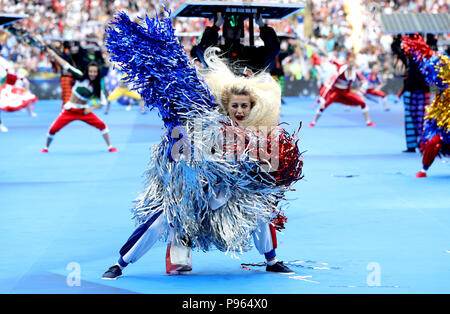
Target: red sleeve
{"points": [[11, 79], [336, 63]]}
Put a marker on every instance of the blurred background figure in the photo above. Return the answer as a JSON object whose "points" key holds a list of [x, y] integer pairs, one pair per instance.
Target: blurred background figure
{"points": [[254, 58]]}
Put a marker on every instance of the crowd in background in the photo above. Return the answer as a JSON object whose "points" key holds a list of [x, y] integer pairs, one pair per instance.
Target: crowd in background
{"points": [[324, 22], [331, 29]]}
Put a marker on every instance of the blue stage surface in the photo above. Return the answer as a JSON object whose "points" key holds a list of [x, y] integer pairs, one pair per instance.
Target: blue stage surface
{"points": [[359, 221]]}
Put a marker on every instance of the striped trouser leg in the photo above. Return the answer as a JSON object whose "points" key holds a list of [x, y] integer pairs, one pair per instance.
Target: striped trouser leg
{"points": [[66, 88], [410, 130], [420, 99], [142, 239]]}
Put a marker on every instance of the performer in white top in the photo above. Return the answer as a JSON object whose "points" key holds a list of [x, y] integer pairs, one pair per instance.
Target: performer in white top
{"points": [[87, 88]]}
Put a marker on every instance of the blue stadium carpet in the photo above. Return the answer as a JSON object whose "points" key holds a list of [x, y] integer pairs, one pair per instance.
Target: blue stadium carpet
{"points": [[359, 221]]}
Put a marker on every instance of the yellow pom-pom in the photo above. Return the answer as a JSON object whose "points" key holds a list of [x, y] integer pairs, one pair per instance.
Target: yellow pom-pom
{"points": [[440, 110], [444, 71]]}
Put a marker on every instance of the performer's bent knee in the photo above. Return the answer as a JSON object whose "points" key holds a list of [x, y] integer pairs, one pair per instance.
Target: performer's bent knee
{"points": [[322, 108], [52, 131]]}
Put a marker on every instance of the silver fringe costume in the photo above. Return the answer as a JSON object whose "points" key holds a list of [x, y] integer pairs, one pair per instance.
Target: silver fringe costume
{"points": [[183, 190], [189, 173]]}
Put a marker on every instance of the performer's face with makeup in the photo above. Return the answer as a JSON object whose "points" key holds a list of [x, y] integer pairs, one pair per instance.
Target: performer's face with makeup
{"points": [[92, 73], [239, 107]]}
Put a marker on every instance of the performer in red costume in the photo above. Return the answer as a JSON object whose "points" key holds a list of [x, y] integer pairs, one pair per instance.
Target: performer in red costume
{"points": [[373, 84], [14, 95], [87, 88], [339, 89]]}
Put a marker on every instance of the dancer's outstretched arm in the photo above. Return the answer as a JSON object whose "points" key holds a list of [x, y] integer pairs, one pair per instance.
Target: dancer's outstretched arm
{"points": [[66, 65]]}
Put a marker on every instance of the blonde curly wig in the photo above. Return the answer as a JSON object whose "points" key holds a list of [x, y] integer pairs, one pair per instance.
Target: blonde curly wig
{"points": [[264, 91]]}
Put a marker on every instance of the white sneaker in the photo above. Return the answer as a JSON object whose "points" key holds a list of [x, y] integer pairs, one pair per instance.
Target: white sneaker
{"points": [[3, 128], [128, 108]]}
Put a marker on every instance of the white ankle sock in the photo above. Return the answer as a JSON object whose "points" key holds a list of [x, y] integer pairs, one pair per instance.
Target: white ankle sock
{"points": [[121, 268], [272, 262]]}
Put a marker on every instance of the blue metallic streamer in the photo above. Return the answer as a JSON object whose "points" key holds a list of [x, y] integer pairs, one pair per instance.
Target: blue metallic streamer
{"points": [[158, 68], [430, 69]]}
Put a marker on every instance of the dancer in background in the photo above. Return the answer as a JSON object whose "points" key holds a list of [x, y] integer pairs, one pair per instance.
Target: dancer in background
{"points": [[87, 86], [122, 90], [23, 83], [324, 68], [78, 55], [339, 88], [416, 96], [371, 87], [415, 93], [13, 96], [435, 70]]}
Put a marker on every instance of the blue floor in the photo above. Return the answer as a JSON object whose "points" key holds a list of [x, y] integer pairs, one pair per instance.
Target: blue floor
{"points": [[359, 221]]}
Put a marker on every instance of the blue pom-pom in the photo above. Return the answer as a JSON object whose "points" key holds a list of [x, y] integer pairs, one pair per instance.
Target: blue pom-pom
{"points": [[158, 67], [429, 67]]}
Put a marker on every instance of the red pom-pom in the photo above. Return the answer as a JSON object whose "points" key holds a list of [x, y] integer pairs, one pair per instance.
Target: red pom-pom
{"points": [[273, 159], [276, 155], [279, 221], [290, 160], [416, 47]]}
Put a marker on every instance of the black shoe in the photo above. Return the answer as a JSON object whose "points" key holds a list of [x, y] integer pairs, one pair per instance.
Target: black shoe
{"points": [[410, 150], [112, 273], [185, 268], [279, 267], [179, 270]]}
